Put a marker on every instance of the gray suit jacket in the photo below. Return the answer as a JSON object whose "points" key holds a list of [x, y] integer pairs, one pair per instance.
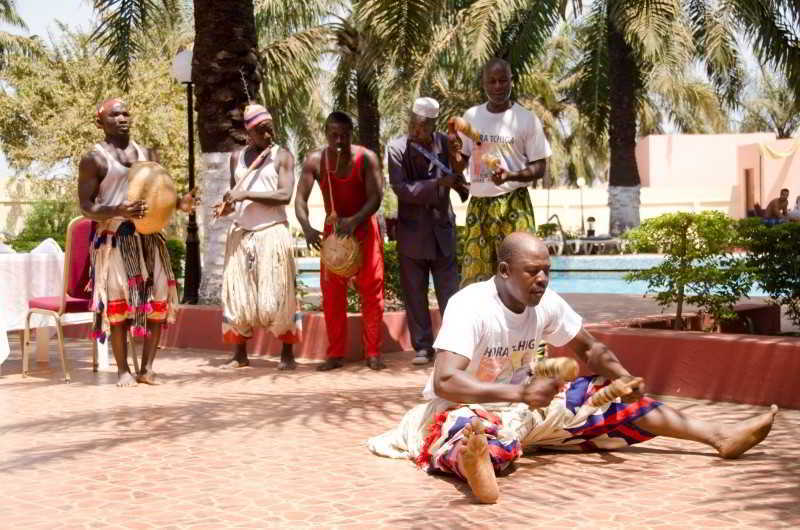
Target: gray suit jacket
{"points": [[425, 216]]}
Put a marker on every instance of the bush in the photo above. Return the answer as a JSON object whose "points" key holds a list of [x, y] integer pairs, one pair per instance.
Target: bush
{"points": [[177, 253], [699, 268], [45, 219], [774, 258], [392, 290]]}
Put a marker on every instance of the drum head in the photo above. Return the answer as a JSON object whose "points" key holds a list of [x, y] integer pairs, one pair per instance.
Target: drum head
{"points": [[150, 182]]}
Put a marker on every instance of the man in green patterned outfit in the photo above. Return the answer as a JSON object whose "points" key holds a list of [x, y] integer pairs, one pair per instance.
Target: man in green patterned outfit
{"points": [[511, 155]]}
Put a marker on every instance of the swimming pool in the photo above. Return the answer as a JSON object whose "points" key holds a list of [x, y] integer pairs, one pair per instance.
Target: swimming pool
{"points": [[569, 274]]}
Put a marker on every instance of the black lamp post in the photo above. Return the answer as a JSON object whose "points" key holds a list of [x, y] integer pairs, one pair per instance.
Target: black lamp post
{"points": [[182, 72], [581, 183]]}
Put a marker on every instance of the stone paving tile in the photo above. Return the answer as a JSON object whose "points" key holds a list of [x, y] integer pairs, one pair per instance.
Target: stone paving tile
{"points": [[257, 448]]}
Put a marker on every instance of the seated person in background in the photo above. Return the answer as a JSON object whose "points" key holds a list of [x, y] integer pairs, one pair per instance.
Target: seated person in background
{"points": [[777, 209], [794, 213]]}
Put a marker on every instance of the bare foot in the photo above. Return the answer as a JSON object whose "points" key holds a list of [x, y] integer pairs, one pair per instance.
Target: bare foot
{"points": [[148, 378], [287, 364], [236, 363], [476, 464], [126, 379], [737, 439]]}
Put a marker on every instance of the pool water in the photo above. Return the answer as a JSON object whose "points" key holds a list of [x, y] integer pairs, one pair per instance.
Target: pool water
{"points": [[569, 274]]}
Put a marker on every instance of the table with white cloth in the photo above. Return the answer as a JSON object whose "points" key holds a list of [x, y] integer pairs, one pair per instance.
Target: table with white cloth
{"points": [[30, 275]]}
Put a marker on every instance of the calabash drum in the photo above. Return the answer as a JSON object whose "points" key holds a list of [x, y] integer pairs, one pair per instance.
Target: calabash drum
{"points": [[341, 255], [150, 182]]}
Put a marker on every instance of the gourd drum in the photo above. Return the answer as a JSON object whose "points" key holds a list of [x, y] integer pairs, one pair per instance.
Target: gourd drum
{"points": [[150, 182], [341, 255]]}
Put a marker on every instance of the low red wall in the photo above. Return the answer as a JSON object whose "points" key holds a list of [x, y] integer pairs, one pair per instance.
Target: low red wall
{"points": [[200, 327], [754, 369]]}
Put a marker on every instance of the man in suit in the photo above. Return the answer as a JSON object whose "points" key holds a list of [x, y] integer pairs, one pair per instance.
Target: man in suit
{"points": [[420, 175]]}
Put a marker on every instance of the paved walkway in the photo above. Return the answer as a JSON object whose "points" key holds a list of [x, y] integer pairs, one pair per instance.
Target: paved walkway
{"points": [[257, 448]]}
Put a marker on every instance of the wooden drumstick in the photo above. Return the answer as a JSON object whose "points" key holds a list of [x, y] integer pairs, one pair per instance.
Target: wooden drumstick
{"points": [[562, 368], [461, 125], [617, 389]]}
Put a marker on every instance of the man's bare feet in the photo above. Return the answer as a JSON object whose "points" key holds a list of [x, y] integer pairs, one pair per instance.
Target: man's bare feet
{"points": [[477, 465], [148, 378], [125, 379], [236, 363], [737, 439]]}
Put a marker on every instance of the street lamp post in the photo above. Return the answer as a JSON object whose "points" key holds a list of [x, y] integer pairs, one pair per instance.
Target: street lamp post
{"points": [[581, 183], [182, 72]]}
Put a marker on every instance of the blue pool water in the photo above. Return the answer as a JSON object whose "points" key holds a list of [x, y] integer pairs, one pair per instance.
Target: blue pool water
{"points": [[569, 274]]}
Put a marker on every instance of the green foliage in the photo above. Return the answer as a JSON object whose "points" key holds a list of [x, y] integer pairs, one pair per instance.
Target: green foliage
{"points": [[45, 219], [775, 261], [699, 268], [392, 290], [49, 101], [177, 253], [546, 229]]}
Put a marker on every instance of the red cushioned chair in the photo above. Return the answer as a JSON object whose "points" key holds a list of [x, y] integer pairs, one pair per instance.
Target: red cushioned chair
{"points": [[74, 298]]}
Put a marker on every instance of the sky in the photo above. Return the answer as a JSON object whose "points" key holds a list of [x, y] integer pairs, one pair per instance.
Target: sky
{"points": [[41, 17]]}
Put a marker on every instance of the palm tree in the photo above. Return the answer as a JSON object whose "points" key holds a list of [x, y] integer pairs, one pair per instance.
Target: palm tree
{"points": [[773, 106], [625, 41], [10, 43]]}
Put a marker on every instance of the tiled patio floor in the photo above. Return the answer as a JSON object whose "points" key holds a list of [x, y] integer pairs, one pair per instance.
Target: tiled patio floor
{"points": [[259, 448]]}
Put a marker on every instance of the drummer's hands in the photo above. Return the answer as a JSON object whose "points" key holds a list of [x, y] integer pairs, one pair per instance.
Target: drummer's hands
{"points": [[540, 392], [186, 202], [235, 196], [222, 209], [345, 226], [132, 209], [499, 176], [636, 385], [313, 238]]}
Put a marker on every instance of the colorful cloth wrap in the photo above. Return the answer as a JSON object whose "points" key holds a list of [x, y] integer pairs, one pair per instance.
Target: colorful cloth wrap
{"points": [[132, 279], [429, 432], [489, 221]]}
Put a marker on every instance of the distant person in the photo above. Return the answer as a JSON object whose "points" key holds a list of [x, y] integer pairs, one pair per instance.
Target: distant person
{"points": [[420, 175], [350, 180], [777, 209], [794, 213], [259, 275], [511, 156], [133, 286]]}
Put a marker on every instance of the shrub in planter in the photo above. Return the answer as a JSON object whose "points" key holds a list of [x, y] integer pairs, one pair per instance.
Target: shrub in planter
{"points": [[774, 257], [699, 268], [392, 291]]}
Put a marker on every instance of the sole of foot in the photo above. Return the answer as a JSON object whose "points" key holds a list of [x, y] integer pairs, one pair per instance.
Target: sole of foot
{"points": [[748, 434], [233, 363], [330, 364], [126, 380], [477, 464], [149, 378]]}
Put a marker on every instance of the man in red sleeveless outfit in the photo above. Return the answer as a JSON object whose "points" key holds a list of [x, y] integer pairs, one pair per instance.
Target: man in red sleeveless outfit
{"points": [[350, 175]]}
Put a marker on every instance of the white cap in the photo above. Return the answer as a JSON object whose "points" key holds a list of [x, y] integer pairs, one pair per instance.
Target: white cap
{"points": [[426, 107]]}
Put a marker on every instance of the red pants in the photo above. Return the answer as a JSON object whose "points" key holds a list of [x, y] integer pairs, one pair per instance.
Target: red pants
{"points": [[369, 282]]}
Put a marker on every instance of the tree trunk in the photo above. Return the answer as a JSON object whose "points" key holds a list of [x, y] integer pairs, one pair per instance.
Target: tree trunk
{"points": [[369, 117], [623, 179], [225, 50]]}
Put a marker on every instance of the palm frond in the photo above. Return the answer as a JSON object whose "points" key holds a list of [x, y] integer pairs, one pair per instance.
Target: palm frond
{"points": [[591, 88], [645, 24], [9, 15], [119, 32]]}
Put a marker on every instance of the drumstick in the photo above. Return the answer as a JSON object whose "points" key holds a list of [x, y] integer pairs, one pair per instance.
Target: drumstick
{"points": [[461, 125], [218, 208], [618, 388]]}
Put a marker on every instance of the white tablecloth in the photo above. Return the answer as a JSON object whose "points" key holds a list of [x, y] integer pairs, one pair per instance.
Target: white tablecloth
{"points": [[25, 276]]}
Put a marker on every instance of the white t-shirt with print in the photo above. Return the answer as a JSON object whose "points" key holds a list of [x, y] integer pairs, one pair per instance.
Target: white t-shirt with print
{"points": [[498, 342], [515, 137]]}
